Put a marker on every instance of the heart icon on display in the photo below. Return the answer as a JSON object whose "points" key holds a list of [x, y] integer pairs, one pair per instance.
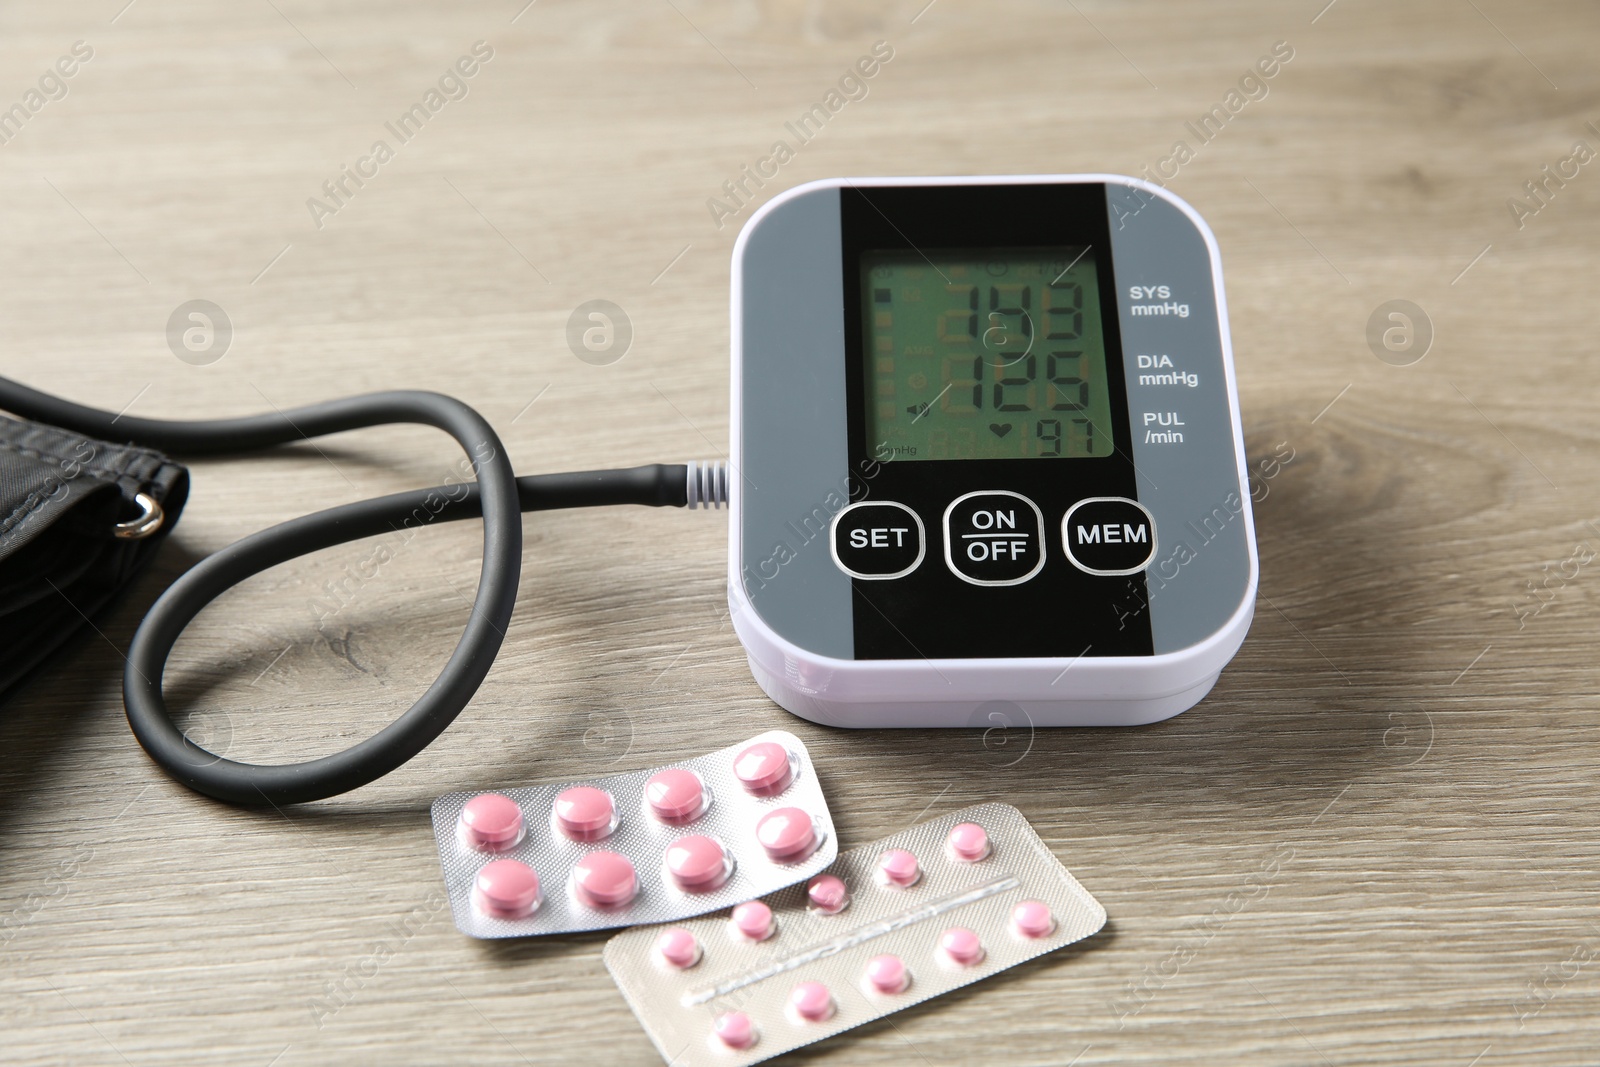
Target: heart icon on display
{"points": [[1000, 429]]}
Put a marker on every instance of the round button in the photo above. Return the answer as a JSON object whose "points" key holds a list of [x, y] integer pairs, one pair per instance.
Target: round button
{"points": [[887, 974], [1109, 535], [604, 880], [698, 862], [506, 889], [675, 795], [878, 540], [585, 813], [787, 834], [491, 822], [994, 537], [764, 768]]}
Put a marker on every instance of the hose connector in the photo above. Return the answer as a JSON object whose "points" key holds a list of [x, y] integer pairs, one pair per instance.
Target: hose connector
{"points": [[708, 483]]}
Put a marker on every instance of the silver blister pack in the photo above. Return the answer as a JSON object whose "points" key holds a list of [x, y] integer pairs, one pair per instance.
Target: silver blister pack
{"points": [[544, 859], [980, 893]]}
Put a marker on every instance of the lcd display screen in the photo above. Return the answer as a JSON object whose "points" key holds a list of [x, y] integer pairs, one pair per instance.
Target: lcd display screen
{"points": [[994, 353]]}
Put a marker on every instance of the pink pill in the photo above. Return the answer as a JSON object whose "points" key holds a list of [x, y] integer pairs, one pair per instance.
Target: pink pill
{"points": [[887, 974], [968, 842], [753, 919], [764, 768], [811, 1001], [1032, 918], [678, 947], [675, 795], [698, 862], [787, 834], [585, 813], [604, 880], [828, 894], [961, 945], [897, 867], [506, 889], [491, 822], [735, 1029]]}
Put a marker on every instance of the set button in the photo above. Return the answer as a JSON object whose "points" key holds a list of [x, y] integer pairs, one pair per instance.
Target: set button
{"points": [[877, 540], [1109, 535], [994, 537]]}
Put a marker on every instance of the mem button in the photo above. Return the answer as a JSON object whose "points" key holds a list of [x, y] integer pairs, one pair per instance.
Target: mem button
{"points": [[877, 539], [1109, 535], [994, 538]]}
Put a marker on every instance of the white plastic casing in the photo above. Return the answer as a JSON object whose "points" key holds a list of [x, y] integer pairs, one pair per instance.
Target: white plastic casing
{"points": [[1082, 691]]}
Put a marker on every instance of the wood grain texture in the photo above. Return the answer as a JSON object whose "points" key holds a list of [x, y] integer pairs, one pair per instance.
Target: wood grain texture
{"points": [[1374, 842]]}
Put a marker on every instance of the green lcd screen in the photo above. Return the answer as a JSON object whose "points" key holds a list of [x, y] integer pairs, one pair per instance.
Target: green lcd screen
{"points": [[994, 353]]}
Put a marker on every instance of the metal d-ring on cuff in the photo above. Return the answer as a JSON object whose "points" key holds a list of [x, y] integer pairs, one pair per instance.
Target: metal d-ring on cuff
{"points": [[148, 521]]}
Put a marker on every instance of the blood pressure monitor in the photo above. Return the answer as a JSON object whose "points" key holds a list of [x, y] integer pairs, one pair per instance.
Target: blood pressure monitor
{"points": [[986, 453]]}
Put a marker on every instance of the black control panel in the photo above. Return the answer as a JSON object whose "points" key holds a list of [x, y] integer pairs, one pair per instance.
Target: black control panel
{"points": [[1038, 548]]}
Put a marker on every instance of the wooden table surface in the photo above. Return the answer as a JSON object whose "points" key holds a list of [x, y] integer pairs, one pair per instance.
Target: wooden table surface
{"points": [[1374, 842]]}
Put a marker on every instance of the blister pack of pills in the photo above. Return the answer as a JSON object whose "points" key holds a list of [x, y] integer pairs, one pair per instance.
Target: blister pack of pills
{"points": [[648, 847], [941, 905]]}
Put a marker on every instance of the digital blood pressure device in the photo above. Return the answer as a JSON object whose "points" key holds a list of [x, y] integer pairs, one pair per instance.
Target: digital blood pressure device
{"points": [[986, 453]]}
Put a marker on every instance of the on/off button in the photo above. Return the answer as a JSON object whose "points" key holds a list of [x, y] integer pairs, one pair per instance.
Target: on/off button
{"points": [[994, 538]]}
